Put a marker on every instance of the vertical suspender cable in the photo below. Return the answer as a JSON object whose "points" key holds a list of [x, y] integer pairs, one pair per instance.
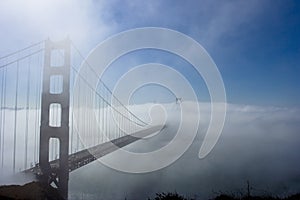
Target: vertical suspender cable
{"points": [[129, 125], [90, 116], [84, 119], [16, 120], [89, 120], [90, 135], [1, 114], [72, 112], [123, 125], [39, 109], [36, 115], [36, 121], [72, 118], [1, 109], [37, 106], [102, 117], [99, 118], [71, 127], [27, 114], [118, 125], [106, 119], [116, 120], [78, 120], [91, 125], [113, 123], [99, 121], [3, 118], [110, 136]]}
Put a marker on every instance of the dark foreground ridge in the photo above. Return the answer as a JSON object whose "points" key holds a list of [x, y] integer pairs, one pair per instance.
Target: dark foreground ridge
{"points": [[30, 191], [36, 191]]}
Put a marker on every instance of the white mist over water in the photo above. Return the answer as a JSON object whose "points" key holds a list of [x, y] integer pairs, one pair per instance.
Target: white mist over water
{"points": [[259, 144]]}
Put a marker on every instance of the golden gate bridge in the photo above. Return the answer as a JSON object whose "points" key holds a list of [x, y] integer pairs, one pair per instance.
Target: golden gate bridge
{"points": [[39, 132]]}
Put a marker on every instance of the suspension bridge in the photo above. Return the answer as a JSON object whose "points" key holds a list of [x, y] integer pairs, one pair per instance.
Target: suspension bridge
{"points": [[39, 132]]}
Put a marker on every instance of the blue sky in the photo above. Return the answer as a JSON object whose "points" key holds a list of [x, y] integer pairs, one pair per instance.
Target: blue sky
{"points": [[255, 44]]}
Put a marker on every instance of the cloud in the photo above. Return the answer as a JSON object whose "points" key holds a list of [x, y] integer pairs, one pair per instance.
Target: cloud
{"points": [[30, 21], [209, 22], [228, 19]]}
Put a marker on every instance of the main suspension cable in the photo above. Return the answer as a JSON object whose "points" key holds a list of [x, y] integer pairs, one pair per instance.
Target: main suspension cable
{"points": [[22, 58], [106, 87], [20, 50], [88, 84]]}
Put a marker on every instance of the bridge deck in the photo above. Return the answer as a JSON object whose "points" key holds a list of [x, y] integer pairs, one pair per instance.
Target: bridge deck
{"points": [[84, 157]]}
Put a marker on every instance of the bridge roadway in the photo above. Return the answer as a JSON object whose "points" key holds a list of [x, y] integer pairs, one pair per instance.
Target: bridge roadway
{"points": [[84, 157]]}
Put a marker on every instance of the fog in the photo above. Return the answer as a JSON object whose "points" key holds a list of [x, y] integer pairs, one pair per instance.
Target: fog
{"points": [[259, 144]]}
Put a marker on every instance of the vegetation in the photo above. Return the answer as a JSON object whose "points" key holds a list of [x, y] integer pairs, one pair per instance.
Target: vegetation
{"points": [[35, 190], [175, 196], [168, 196]]}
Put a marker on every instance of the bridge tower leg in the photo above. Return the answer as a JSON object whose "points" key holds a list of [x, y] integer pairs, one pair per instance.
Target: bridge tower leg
{"points": [[57, 176]]}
